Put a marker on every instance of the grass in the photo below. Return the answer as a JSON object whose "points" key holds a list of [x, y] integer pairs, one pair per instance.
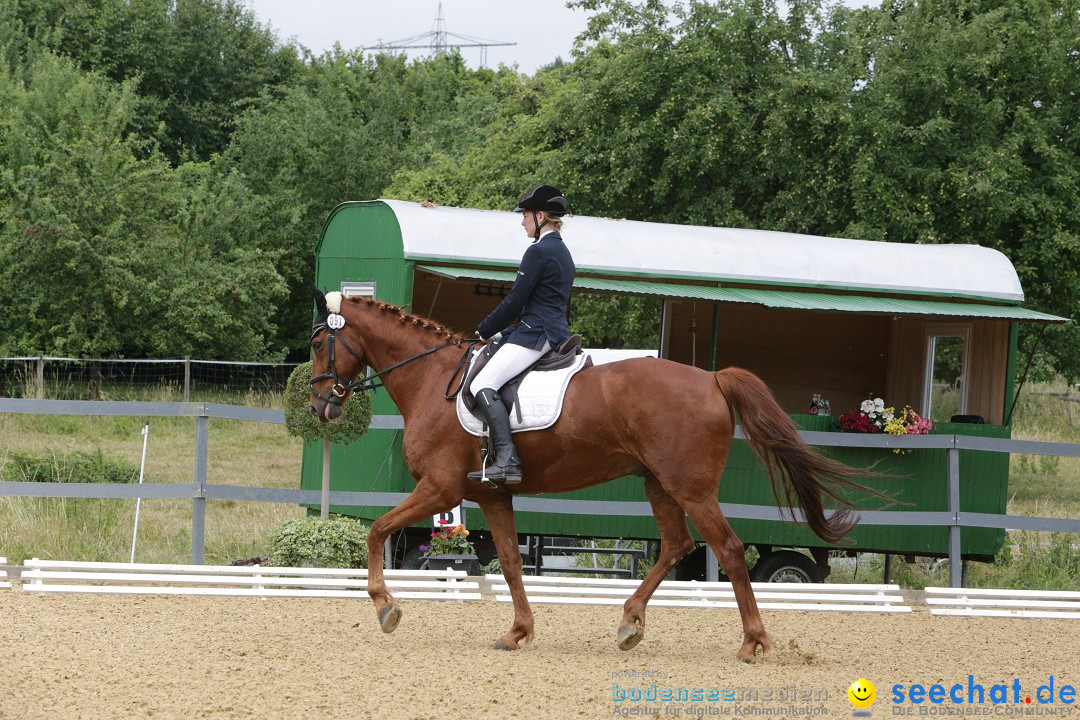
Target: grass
{"points": [[239, 453]]}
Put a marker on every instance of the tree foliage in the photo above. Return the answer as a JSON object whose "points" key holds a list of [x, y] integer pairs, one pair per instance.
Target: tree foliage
{"points": [[340, 133], [105, 250], [194, 62]]}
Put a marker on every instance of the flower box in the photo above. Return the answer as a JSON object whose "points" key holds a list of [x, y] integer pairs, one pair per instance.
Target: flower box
{"points": [[469, 563]]}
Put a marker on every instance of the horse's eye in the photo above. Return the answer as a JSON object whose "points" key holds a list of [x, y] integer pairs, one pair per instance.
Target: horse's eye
{"points": [[317, 345]]}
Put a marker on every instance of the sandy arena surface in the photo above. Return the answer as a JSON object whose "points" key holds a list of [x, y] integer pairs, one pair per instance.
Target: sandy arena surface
{"points": [[70, 656]]}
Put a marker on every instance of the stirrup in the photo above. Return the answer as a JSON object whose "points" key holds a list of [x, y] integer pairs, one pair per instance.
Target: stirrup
{"points": [[501, 476]]}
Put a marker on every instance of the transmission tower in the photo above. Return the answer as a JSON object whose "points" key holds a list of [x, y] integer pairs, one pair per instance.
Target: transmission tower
{"points": [[439, 41]]}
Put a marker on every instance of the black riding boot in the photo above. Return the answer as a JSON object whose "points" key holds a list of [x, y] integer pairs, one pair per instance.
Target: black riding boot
{"points": [[507, 467]]}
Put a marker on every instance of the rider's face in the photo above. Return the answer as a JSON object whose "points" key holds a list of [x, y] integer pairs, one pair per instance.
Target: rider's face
{"points": [[528, 223]]}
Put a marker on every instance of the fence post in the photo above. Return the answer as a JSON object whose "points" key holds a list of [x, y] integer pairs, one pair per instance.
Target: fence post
{"points": [[41, 377], [187, 378], [324, 498], [198, 510], [955, 563], [712, 565]]}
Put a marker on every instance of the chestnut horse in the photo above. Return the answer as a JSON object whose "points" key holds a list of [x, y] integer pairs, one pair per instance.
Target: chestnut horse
{"points": [[669, 423]]}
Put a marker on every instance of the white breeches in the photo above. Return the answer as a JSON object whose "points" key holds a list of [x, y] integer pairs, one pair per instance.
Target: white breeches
{"points": [[507, 363]]}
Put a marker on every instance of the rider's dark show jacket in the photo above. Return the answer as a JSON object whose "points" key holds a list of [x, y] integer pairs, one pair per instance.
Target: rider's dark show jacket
{"points": [[539, 297]]}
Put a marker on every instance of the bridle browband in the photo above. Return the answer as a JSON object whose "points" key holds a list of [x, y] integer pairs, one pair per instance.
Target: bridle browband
{"points": [[366, 382]]}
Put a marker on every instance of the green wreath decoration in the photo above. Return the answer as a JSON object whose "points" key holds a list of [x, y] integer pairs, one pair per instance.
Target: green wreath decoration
{"points": [[350, 427]]}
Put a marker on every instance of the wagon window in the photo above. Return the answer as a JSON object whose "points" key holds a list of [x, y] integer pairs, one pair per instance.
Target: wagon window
{"points": [[358, 289], [945, 393]]}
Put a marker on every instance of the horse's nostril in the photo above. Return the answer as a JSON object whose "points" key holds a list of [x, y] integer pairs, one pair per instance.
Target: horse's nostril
{"points": [[313, 411]]}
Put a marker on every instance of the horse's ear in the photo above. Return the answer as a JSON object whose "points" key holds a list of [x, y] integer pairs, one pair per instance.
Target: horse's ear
{"points": [[320, 300]]}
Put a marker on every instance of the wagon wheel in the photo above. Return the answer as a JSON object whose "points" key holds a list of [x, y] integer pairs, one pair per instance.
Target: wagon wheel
{"points": [[786, 566]]}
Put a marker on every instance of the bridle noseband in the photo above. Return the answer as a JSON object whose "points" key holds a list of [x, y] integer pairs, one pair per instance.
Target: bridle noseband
{"points": [[361, 383]]}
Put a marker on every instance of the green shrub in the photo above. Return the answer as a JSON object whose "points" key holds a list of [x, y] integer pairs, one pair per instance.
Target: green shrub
{"points": [[311, 542], [353, 423], [71, 467]]}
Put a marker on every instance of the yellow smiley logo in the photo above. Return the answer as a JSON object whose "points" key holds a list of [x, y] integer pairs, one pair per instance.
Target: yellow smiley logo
{"points": [[862, 693]]}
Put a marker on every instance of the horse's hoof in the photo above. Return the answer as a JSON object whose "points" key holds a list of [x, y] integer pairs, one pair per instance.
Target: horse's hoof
{"points": [[500, 645], [630, 636], [748, 654], [389, 617]]}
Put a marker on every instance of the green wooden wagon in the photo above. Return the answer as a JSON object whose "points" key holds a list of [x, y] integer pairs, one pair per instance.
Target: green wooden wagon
{"points": [[930, 326]]}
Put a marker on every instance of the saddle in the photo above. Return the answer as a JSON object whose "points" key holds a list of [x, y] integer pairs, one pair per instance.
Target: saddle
{"points": [[564, 357]]}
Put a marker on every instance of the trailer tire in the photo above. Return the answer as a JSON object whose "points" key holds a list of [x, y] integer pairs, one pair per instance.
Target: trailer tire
{"points": [[786, 566], [413, 559]]}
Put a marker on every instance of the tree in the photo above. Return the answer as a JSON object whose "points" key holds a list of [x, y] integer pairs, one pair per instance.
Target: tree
{"points": [[194, 62], [340, 133], [105, 250]]}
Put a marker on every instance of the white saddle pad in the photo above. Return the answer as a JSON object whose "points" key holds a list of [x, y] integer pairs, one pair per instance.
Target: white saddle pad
{"points": [[540, 396]]}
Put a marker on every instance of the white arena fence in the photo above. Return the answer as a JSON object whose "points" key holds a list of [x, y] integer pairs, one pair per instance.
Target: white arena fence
{"points": [[199, 490], [55, 576], [692, 594], [133, 378], [983, 602]]}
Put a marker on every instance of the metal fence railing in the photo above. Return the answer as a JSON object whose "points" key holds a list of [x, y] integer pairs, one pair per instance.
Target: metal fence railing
{"points": [[180, 379], [199, 490]]}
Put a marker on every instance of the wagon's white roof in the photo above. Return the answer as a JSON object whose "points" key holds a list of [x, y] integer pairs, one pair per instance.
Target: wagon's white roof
{"points": [[722, 254]]}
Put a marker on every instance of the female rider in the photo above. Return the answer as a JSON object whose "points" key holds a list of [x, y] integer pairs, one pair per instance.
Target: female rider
{"points": [[539, 300]]}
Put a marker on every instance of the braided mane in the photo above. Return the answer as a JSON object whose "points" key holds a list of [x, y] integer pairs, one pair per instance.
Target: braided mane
{"points": [[418, 321]]}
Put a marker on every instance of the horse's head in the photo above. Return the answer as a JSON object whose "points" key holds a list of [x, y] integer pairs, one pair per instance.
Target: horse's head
{"points": [[336, 361]]}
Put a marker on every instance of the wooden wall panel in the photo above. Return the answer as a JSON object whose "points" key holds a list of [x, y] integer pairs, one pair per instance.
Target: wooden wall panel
{"points": [[907, 363], [798, 353], [989, 361]]}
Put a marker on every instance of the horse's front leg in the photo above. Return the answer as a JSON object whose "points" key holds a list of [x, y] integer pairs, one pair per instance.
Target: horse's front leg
{"points": [[499, 511], [423, 502]]}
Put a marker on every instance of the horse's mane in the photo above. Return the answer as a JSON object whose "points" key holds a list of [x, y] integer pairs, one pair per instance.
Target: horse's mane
{"points": [[417, 321]]}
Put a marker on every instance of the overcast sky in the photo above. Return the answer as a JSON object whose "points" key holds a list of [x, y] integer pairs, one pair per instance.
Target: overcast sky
{"points": [[545, 33]]}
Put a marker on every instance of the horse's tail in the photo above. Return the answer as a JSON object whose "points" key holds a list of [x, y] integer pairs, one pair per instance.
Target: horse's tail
{"points": [[803, 473]]}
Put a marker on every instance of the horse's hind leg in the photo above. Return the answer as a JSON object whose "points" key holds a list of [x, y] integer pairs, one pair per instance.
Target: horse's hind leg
{"points": [[713, 526], [499, 513], [675, 542]]}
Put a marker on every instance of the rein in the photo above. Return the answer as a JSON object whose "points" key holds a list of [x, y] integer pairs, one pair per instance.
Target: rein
{"points": [[368, 382], [458, 369]]}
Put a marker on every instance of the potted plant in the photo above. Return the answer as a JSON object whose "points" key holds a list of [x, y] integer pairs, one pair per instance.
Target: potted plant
{"points": [[450, 549]]}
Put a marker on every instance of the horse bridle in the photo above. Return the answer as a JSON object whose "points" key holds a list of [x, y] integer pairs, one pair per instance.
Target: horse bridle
{"points": [[341, 385]]}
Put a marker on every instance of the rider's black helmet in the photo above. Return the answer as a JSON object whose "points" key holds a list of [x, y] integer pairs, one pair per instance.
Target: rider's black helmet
{"points": [[546, 198]]}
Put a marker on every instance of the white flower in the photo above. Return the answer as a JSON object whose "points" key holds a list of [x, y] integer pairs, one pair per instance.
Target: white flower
{"points": [[867, 407], [879, 404]]}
